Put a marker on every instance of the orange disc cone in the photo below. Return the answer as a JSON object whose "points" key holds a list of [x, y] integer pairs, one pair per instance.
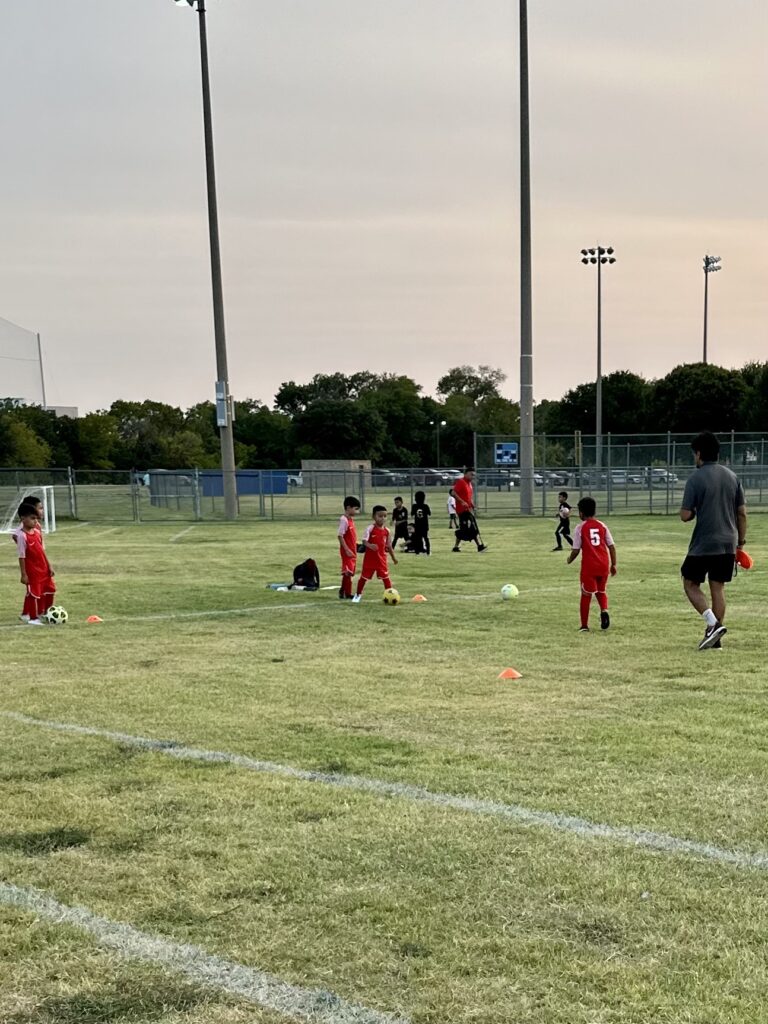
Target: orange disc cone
{"points": [[94, 618], [418, 599], [510, 673]]}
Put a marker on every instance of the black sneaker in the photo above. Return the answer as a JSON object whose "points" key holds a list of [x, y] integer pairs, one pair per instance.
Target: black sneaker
{"points": [[481, 547], [341, 594], [712, 635], [605, 620], [584, 629], [557, 549], [457, 548]]}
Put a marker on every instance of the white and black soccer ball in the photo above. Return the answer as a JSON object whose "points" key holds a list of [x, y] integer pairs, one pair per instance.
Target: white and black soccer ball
{"points": [[56, 615]]}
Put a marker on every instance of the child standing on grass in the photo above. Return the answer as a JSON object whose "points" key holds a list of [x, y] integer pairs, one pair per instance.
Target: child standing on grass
{"points": [[36, 572], [593, 541], [348, 546], [399, 522], [377, 546], [563, 531], [453, 522], [420, 513]]}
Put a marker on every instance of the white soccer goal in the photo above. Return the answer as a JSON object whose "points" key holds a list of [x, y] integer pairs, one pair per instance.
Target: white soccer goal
{"points": [[10, 518]]}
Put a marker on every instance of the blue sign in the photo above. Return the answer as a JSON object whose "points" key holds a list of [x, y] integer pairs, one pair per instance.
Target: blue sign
{"points": [[506, 453]]}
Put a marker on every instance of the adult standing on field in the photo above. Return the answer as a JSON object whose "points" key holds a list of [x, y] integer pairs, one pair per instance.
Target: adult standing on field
{"points": [[713, 497], [463, 493]]}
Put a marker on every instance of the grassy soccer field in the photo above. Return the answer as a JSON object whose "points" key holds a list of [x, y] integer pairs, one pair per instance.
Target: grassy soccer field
{"points": [[396, 903]]}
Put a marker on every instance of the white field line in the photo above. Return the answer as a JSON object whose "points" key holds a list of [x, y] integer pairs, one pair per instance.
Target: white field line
{"points": [[315, 1005], [103, 533], [178, 536], [637, 837], [169, 616], [68, 529]]}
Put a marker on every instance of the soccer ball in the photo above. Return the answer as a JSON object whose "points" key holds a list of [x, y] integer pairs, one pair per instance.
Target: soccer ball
{"points": [[509, 590], [391, 597], [56, 615]]}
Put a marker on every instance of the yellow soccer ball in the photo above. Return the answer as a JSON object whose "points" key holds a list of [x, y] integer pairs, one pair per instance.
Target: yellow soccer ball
{"points": [[391, 597]]}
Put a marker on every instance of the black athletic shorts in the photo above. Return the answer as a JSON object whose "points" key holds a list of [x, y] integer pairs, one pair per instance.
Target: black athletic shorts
{"points": [[719, 568]]}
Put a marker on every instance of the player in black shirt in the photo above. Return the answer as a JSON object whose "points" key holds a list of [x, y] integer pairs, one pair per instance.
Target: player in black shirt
{"points": [[420, 513], [399, 522], [563, 522]]}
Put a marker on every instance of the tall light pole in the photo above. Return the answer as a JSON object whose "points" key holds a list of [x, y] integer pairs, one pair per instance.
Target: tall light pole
{"points": [[599, 256], [526, 302], [710, 267], [224, 414], [437, 424]]}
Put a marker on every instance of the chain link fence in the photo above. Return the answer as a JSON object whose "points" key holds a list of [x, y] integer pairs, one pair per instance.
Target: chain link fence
{"points": [[636, 475]]}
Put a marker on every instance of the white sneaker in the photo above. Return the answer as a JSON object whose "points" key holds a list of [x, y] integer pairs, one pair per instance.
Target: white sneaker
{"points": [[357, 599], [23, 618], [35, 622]]}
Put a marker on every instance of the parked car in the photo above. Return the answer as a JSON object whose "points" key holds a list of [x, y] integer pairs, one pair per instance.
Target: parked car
{"points": [[295, 479], [388, 478], [659, 477]]}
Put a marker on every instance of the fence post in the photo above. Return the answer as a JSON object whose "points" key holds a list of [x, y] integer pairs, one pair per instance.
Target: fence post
{"points": [[135, 498], [72, 492], [733, 448], [361, 472], [579, 462], [608, 477], [762, 466], [196, 496], [669, 452]]}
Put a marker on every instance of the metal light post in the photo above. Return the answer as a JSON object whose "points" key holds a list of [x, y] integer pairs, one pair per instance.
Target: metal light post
{"points": [[710, 267], [526, 302], [224, 413], [437, 424], [599, 256]]}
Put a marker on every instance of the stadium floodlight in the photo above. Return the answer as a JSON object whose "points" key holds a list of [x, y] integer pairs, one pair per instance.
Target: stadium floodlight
{"points": [[710, 267], [599, 256], [224, 411], [437, 424]]}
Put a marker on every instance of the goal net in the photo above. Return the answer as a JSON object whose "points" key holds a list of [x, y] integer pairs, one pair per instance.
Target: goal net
{"points": [[21, 371], [10, 518]]}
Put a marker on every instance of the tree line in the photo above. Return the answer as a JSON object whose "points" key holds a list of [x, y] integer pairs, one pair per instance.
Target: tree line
{"points": [[381, 417]]}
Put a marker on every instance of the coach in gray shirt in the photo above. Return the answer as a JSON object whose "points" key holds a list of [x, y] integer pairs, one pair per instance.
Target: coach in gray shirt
{"points": [[715, 499]]}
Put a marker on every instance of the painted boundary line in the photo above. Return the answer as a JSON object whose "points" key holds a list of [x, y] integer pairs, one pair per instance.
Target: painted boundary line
{"points": [[636, 837], [170, 616], [255, 986], [178, 536]]}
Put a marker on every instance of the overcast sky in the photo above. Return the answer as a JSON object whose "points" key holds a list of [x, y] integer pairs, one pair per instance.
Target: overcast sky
{"points": [[367, 165]]}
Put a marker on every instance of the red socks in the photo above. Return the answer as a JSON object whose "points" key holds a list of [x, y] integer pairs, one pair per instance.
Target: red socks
{"points": [[584, 609]]}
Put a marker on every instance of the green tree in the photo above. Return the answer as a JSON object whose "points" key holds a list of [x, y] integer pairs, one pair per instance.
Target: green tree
{"points": [[20, 445], [339, 430], [698, 396], [475, 384]]}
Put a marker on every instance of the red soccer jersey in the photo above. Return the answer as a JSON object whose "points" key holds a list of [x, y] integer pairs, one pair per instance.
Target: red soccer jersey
{"points": [[463, 492], [348, 534], [376, 560], [593, 539]]}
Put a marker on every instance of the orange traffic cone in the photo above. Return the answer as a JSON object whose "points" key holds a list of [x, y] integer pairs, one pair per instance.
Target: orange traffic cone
{"points": [[94, 618], [510, 673], [418, 598]]}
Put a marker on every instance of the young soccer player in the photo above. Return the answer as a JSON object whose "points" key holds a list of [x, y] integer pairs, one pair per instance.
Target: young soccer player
{"points": [[348, 546], [36, 572], [453, 522], [420, 513], [377, 547], [563, 531], [307, 575], [399, 522], [593, 541]]}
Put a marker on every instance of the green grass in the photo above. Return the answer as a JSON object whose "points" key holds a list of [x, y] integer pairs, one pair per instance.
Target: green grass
{"points": [[437, 914]]}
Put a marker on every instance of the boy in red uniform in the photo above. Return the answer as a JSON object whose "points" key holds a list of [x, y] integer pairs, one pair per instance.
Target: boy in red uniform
{"points": [[377, 547], [348, 546], [36, 572], [592, 539]]}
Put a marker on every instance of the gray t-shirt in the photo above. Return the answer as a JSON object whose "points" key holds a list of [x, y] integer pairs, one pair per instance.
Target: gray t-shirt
{"points": [[714, 493]]}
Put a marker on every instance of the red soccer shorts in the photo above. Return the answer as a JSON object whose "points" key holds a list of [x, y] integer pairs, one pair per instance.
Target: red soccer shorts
{"points": [[374, 566], [348, 565], [593, 584]]}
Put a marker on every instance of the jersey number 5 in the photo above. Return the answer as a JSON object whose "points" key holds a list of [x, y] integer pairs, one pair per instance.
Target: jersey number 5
{"points": [[594, 536]]}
